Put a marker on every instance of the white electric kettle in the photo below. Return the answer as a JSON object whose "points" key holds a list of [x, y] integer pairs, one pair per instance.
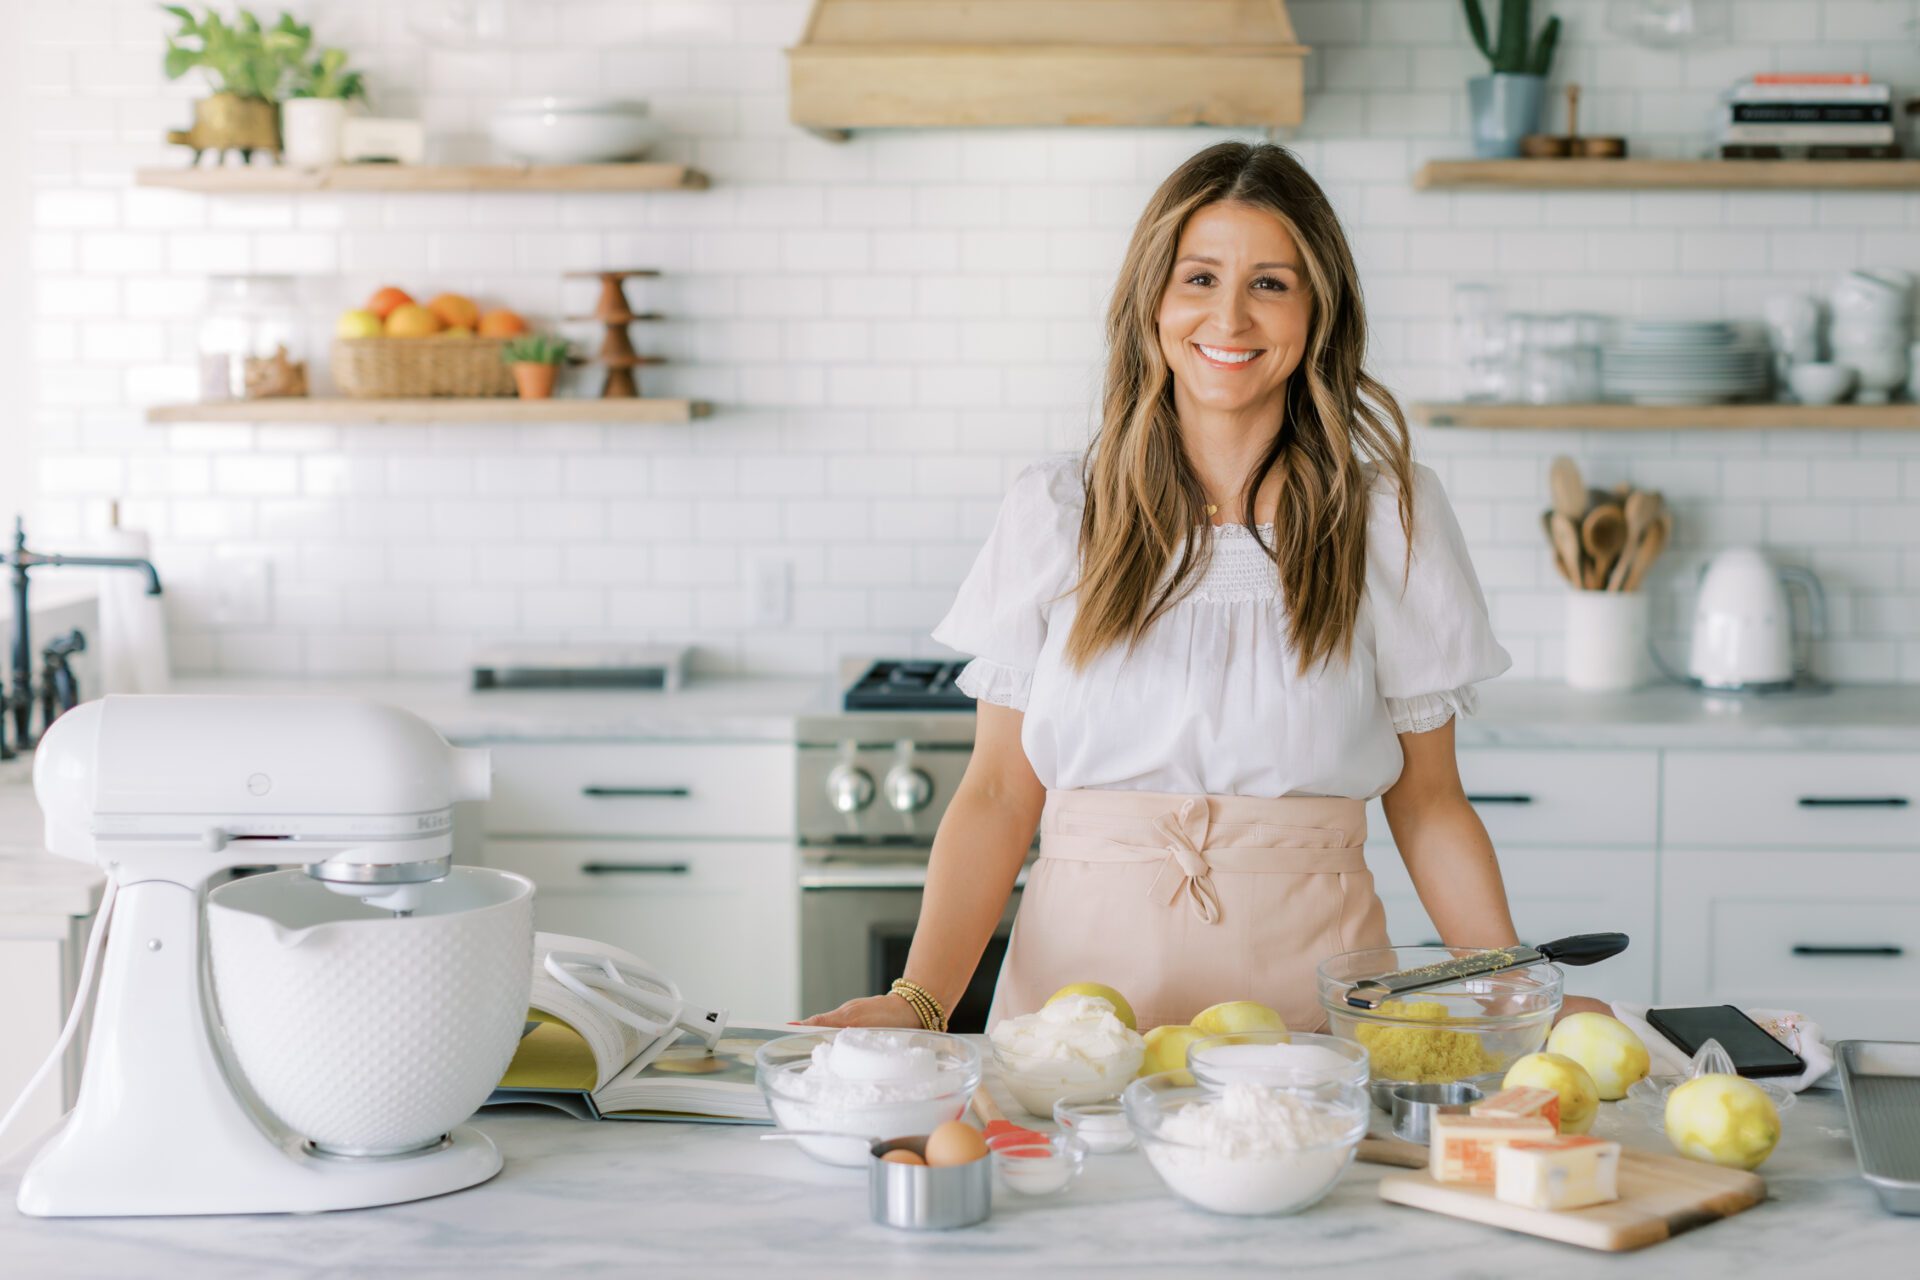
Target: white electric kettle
{"points": [[1743, 634]]}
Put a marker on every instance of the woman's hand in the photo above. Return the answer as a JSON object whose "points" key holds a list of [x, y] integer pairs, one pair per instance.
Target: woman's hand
{"points": [[868, 1011], [1583, 1004]]}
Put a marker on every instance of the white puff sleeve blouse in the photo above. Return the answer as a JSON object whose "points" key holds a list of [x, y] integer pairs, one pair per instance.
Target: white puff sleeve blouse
{"points": [[1211, 701]]}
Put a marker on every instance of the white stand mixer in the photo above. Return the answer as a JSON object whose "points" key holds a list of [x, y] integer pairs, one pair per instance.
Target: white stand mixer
{"points": [[164, 793]]}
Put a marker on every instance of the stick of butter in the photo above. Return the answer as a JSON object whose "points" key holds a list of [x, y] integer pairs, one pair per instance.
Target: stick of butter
{"points": [[1464, 1146], [1567, 1171], [1521, 1100]]}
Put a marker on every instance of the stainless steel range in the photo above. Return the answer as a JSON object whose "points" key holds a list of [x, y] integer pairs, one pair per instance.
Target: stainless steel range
{"points": [[874, 780]]}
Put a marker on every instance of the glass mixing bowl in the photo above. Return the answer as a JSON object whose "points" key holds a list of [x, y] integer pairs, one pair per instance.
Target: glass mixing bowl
{"points": [[863, 1112], [1286, 1059], [1471, 1030]]}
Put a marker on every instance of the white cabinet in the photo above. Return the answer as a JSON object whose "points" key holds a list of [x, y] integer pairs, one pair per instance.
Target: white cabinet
{"points": [[1576, 835], [40, 959], [718, 917], [1833, 935], [1792, 800], [681, 853]]}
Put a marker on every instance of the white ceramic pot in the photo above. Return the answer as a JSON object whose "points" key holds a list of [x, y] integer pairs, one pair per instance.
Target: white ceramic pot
{"points": [[369, 1033], [1606, 639], [1881, 370], [310, 131], [574, 130]]}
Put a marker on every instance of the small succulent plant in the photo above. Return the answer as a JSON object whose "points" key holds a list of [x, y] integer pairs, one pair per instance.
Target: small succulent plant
{"points": [[1516, 52], [537, 348]]}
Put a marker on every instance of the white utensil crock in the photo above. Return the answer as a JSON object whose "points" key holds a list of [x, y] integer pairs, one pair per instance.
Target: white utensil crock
{"points": [[1606, 639], [310, 131], [366, 1032]]}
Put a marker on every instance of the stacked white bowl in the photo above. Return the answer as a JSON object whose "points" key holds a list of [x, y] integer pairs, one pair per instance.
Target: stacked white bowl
{"points": [[1872, 329]]}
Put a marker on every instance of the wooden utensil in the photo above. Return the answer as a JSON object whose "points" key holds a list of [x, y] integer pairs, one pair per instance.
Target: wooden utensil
{"points": [[1604, 535], [1394, 1152], [1568, 490], [1643, 507], [1566, 544], [1566, 571], [1660, 1197], [1650, 548]]}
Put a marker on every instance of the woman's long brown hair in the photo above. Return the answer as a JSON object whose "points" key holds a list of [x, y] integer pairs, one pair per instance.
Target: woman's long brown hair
{"points": [[1144, 502]]}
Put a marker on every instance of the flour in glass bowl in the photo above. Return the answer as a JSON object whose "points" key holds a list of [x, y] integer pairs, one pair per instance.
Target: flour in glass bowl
{"points": [[1253, 1150], [869, 1082]]}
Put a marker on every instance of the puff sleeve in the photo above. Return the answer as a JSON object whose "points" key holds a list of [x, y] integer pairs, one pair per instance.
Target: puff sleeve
{"points": [[1001, 613], [1433, 639]]}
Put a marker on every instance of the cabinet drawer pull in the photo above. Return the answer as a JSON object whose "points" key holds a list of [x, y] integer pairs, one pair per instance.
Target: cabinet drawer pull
{"points": [[1814, 949], [1500, 799], [1853, 802], [645, 793], [636, 868]]}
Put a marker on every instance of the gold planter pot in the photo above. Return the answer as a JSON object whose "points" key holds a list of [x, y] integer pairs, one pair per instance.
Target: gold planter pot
{"points": [[228, 122]]}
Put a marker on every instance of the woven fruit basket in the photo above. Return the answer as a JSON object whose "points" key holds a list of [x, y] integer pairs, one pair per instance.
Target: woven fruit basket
{"points": [[400, 368]]}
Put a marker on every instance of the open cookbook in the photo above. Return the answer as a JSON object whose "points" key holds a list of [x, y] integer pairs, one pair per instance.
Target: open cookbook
{"points": [[583, 1052]]}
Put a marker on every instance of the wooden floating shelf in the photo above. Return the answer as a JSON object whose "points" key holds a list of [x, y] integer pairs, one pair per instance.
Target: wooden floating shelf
{"points": [[287, 180], [1679, 175], [1664, 417], [425, 409]]}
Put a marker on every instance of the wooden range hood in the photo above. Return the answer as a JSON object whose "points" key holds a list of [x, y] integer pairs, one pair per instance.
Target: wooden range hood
{"points": [[931, 63]]}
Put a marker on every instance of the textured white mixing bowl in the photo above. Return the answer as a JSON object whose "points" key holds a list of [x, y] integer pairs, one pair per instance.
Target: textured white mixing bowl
{"points": [[370, 1033], [573, 130]]}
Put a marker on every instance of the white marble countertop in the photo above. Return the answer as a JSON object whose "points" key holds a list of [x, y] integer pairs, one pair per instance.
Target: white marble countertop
{"points": [[698, 1201]]}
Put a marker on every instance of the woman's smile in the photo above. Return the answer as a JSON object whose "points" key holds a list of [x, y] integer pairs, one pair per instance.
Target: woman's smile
{"points": [[1228, 357]]}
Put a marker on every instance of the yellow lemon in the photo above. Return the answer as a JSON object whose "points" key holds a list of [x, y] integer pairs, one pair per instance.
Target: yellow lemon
{"points": [[1723, 1119], [1606, 1047], [1579, 1098], [1167, 1048], [1121, 1009], [1238, 1015]]}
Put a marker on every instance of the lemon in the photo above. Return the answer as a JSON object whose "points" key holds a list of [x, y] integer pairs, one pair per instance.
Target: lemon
{"points": [[1723, 1119], [1579, 1098], [1121, 1009], [1606, 1047], [1238, 1015], [1167, 1048]]}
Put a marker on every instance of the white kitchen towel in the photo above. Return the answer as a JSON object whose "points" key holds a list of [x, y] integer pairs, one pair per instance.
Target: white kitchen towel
{"points": [[132, 645], [1795, 1030]]}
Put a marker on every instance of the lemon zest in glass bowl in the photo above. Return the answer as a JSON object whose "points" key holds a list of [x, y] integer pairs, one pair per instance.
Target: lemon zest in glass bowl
{"points": [[1423, 1055]]}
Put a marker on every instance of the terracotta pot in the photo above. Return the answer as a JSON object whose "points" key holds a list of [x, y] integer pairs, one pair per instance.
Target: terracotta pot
{"points": [[535, 381], [228, 122]]}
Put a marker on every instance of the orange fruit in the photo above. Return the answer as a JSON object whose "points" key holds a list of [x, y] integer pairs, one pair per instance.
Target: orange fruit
{"points": [[456, 331], [456, 310], [501, 323], [385, 300], [412, 321]]}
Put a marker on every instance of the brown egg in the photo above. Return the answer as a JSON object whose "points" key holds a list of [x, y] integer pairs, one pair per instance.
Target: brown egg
{"points": [[955, 1142], [902, 1156]]}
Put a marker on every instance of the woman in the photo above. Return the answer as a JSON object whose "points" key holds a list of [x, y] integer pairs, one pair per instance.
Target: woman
{"points": [[1198, 653]]}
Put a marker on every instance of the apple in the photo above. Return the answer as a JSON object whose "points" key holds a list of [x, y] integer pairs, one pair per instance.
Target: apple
{"points": [[1579, 1097], [1167, 1048], [1724, 1120], [357, 324], [1606, 1047], [1238, 1015], [1121, 1009]]}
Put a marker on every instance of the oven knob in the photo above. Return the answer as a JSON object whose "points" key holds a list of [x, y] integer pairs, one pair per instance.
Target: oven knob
{"points": [[849, 788], [909, 790]]}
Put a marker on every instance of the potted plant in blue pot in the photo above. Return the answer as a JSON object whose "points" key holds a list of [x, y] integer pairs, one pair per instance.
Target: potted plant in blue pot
{"points": [[1505, 106]]}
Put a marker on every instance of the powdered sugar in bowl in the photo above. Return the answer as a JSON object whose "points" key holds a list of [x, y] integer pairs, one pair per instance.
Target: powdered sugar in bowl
{"points": [[1245, 1148], [867, 1082]]}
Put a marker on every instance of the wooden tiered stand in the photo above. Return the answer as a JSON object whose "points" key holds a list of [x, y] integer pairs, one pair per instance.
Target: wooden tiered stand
{"points": [[616, 349]]}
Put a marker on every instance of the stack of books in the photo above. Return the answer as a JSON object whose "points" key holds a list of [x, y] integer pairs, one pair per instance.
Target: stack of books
{"points": [[1809, 116]]}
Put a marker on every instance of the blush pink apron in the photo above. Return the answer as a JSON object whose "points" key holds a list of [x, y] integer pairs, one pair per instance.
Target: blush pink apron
{"points": [[1180, 902]]}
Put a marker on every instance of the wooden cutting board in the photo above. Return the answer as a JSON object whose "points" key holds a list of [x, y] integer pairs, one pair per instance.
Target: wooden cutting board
{"points": [[1660, 1197]]}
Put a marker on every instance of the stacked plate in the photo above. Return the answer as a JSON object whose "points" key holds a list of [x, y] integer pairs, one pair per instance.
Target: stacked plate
{"points": [[1686, 362]]}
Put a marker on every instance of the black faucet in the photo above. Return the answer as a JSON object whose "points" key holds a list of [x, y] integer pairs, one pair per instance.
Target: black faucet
{"points": [[20, 698]]}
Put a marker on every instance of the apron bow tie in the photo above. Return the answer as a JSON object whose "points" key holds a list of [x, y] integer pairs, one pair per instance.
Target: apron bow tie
{"points": [[1183, 833]]}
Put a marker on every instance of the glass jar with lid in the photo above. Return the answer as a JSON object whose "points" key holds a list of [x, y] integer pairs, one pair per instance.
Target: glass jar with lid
{"points": [[249, 334]]}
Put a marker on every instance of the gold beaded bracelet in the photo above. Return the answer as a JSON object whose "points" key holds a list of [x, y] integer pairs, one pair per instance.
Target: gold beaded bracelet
{"points": [[925, 1007]]}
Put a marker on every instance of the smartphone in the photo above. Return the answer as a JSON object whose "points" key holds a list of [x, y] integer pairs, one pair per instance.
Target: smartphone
{"points": [[1754, 1052]]}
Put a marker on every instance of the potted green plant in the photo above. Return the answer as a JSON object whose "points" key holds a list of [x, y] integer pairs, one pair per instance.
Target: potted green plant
{"points": [[1505, 105], [535, 361], [310, 120], [246, 64]]}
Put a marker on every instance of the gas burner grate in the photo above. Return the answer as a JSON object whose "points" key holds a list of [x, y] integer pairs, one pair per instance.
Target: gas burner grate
{"points": [[896, 685]]}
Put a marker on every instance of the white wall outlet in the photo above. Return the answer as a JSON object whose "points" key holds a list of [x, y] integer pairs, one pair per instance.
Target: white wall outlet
{"points": [[772, 591], [243, 591]]}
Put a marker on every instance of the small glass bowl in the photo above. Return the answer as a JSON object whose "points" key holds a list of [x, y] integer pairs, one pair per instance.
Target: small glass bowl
{"points": [[1278, 1183], [1039, 1168], [1038, 1083], [1482, 1025], [1099, 1123], [1262, 1057], [778, 1064]]}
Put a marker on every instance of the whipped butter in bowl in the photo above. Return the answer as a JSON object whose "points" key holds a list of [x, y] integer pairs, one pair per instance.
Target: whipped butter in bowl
{"points": [[1075, 1047]]}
